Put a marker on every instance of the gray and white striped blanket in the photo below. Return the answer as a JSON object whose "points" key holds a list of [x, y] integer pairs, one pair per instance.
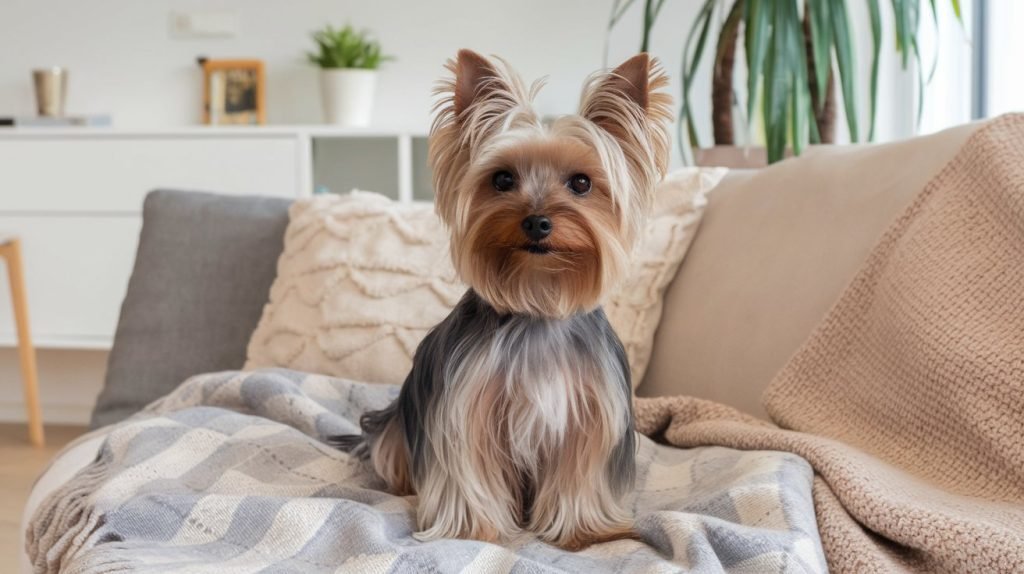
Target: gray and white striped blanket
{"points": [[228, 474]]}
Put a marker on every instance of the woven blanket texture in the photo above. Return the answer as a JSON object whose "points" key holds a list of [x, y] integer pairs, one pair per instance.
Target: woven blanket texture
{"points": [[229, 474], [908, 400]]}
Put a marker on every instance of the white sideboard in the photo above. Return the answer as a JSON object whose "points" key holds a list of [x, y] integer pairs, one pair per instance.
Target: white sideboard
{"points": [[75, 196]]}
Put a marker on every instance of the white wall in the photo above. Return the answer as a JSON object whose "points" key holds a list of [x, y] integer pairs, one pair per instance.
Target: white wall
{"points": [[1005, 47], [123, 62]]}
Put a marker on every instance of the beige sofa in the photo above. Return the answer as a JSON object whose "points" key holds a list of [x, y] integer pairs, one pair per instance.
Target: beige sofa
{"points": [[775, 249]]}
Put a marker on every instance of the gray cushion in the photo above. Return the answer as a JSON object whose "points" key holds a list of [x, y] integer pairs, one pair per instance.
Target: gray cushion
{"points": [[202, 275]]}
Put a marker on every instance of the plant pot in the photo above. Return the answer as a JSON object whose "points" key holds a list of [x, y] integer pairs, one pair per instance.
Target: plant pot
{"points": [[348, 95]]}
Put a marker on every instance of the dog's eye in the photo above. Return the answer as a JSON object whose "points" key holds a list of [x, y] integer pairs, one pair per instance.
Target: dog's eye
{"points": [[503, 180], [579, 184]]}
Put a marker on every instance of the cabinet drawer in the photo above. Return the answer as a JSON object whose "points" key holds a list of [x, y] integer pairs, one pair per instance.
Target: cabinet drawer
{"points": [[107, 174], [76, 274]]}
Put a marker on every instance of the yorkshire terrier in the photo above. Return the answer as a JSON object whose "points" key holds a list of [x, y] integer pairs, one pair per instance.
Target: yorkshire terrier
{"points": [[517, 414]]}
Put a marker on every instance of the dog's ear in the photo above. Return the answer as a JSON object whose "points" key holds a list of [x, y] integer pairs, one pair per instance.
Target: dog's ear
{"points": [[480, 99], [475, 77], [629, 103], [482, 89], [631, 79]]}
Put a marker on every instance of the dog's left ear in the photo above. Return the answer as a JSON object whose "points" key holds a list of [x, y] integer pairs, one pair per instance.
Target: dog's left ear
{"points": [[629, 103]]}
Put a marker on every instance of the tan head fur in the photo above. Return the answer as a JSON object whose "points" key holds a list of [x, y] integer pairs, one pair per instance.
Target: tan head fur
{"points": [[543, 218]]}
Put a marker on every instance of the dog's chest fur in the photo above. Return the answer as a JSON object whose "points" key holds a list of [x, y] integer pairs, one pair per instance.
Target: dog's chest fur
{"points": [[521, 393], [529, 385], [509, 422]]}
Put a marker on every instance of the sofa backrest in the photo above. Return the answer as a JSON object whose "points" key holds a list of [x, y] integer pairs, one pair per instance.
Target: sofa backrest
{"points": [[775, 250]]}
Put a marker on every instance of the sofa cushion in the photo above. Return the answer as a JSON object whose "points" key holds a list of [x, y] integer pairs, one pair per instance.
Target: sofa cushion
{"points": [[202, 273], [774, 251], [362, 279]]}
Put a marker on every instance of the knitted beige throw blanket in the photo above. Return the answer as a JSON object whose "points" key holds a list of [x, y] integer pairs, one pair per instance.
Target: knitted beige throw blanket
{"points": [[908, 400]]}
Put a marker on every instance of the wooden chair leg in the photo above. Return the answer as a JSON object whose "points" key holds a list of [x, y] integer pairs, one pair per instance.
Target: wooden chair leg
{"points": [[26, 352]]}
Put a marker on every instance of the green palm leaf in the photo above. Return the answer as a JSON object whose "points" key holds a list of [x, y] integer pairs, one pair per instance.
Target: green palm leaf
{"points": [[691, 60], [845, 64], [801, 96], [778, 84], [875, 14], [778, 75], [821, 42], [757, 29]]}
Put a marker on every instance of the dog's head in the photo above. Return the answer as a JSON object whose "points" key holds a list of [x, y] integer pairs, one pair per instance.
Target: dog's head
{"points": [[543, 218]]}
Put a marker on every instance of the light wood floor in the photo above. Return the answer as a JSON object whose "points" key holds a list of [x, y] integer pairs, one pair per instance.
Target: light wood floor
{"points": [[20, 464]]}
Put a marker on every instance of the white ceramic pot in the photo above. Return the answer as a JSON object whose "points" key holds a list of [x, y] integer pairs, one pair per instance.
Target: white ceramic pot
{"points": [[348, 95]]}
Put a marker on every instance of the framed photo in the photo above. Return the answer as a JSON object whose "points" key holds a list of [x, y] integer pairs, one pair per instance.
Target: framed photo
{"points": [[233, 92]]}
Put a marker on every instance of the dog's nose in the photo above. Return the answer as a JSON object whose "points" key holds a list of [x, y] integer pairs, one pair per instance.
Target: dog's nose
{"points": [[537, 227]]}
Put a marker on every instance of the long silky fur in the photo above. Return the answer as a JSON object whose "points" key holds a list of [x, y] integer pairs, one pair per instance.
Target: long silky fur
{"points": [[512, 422], [629, 138], [517, 413]]}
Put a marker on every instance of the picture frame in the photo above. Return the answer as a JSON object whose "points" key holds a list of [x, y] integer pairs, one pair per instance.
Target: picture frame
{"points": [[234, 92]]}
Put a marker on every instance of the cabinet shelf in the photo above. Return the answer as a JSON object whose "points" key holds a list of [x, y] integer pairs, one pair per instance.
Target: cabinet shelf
{"points": [[74, 196]]}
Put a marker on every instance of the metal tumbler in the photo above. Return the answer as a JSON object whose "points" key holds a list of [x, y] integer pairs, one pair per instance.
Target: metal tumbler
{"points": [[51, 90]]}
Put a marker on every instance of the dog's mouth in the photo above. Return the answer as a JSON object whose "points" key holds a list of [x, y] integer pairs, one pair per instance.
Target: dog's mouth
{"points": [[536, 248]]}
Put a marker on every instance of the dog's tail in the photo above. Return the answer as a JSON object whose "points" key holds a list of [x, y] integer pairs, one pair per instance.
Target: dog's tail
{"points": [[347, 442], [372, 424]]}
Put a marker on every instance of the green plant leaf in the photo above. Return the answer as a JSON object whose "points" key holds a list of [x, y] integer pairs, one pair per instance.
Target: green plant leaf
{"points": [[649, 18], [802, 110], [901, 19], [935, 55], [821, 43], [619, 8], [777, 85], [700, 28], [346, 48], [757, 27], [920, 82], [845, 64], [875, 14]]}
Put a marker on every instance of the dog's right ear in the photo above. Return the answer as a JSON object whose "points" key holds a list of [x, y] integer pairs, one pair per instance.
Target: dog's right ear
{"points": [[630, 104], [475, 76], [482, 87], [481, 98]]}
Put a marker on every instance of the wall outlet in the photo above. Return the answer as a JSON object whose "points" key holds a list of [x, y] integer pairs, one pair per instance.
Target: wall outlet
{"points": [[204, 24]]}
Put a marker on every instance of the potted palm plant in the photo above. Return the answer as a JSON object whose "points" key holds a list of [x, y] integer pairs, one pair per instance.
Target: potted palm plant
{"points": [[794, 50], [348, 61]]}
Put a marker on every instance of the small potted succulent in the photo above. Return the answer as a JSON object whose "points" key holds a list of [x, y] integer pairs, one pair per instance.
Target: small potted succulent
{"points": [[348, 61]]}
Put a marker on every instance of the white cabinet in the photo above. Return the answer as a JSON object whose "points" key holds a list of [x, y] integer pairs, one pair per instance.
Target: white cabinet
{"points": [[74, 196], [113, 174], [75, 199], [76, 271]]}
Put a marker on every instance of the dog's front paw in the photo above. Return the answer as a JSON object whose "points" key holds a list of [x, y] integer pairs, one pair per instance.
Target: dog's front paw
{"points": [[576, 520], [574, 539], [578, 540], [484, 532]]}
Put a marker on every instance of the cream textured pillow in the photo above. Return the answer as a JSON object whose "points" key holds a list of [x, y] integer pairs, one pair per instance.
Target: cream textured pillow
{"points": [[363, 278]]}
